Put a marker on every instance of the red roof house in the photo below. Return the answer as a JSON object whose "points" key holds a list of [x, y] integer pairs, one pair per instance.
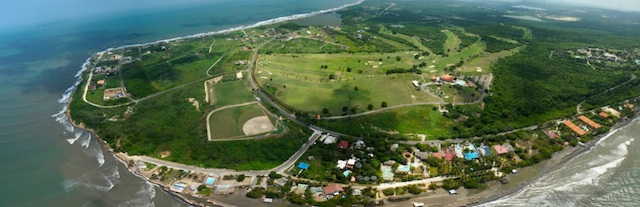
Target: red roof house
{"points": [[449, 155], [500, 149], [344, 144], [333, 189], [447, 77]]}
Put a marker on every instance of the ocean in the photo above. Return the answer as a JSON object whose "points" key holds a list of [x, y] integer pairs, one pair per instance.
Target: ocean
{"points": [[44, 161]]}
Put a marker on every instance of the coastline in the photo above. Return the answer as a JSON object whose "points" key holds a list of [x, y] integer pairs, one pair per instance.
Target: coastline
{"points": [[546, 166], [64, 116], [556, 162]]}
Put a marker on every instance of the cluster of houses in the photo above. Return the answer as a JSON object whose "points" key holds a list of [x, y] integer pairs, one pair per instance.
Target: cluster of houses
{"points": [[470, 152], [606, 56], [105, 70]]}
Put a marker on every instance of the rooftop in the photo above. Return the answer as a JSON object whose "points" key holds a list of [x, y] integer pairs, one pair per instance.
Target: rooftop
{"points": [[573, 127], [589, 122]]}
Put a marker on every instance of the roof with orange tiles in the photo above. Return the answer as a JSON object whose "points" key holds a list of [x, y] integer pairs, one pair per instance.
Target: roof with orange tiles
{"points": [[604, 115], [589, 122], [573, 127]]}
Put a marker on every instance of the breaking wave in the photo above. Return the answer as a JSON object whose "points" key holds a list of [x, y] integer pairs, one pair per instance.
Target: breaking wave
{"points": [[77, 136], [143, 197], [104, 182]]}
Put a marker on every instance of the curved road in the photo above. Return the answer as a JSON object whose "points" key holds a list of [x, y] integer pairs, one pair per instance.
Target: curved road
{"points": [[633, 77]]}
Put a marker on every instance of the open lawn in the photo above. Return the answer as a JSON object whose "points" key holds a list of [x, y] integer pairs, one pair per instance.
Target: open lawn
{"points": [[351, 90], [232, 92], [167, 65], [227, 123], [411, 120], [485, 59]]}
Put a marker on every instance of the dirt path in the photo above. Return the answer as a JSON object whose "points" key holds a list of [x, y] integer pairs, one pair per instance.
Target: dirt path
{"points": [[214, 64], [211, 46]]}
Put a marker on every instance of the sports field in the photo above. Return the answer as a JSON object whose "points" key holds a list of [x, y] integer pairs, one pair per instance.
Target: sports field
{"points": [[239, 122]]}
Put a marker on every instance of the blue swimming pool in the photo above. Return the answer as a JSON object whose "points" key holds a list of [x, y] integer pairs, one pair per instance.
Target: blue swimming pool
{"points": [[209, 181]]}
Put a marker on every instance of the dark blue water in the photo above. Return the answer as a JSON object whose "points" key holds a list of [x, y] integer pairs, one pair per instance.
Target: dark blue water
{"points": [[46, 162]]}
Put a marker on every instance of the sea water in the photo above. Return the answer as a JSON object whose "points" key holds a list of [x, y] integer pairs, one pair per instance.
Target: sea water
{"points": [[44, 161]]}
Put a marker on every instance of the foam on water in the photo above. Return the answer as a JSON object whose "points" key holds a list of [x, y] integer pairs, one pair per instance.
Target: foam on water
{"points": [[77, 136], [572, 183], [144, 196], [104, 181], [85, 141], [61, 117]]}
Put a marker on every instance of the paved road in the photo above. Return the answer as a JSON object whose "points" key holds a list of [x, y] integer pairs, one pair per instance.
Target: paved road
{"points": [[267, 99], [280, 169]]}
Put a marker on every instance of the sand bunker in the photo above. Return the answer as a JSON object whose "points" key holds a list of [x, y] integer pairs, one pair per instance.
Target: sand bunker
{"points": [[257, 125]]}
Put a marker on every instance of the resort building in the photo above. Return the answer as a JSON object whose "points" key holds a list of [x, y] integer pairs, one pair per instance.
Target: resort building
{"points": [[575, 128], [589, 122]]}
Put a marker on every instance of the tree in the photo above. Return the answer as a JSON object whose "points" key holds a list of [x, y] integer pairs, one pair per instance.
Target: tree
{"points": [[325, 111], [348, 69], [414, 189], [433, 186], [274, 175], [370, 107], [398, 58], [345, 108], [202, 187], [240, 178], [332, 76], [256, 193], [388, 191], [353, 110], [384, 104], [356, 88]]}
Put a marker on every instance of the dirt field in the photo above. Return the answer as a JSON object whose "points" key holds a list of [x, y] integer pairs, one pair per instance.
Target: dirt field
{"points": [[258, 125]]}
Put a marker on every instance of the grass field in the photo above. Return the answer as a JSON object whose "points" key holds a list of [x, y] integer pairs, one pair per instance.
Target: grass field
{"points": [[485, 60], [452, 43], [227, 123], [351, 90], [232, 92], [413, 120]]}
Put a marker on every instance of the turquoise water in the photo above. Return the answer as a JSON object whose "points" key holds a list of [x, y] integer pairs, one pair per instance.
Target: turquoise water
{"points": [[46, 162]]}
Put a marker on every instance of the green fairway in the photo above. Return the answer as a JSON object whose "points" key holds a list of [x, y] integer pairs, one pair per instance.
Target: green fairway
{"points": [[452, 43], [293, 81], [232, 92], [227, 123]]}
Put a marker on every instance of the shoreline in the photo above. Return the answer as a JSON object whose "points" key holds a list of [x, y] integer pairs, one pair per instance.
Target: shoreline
{"points": [[67, 96], [546, 165], [549, 166]]}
